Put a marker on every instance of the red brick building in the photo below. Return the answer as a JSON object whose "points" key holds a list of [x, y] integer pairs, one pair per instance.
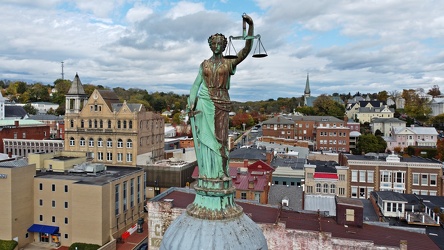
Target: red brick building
{"points": [[22, 129]]}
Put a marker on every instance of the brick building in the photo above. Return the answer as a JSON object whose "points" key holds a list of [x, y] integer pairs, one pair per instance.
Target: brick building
{"points": [[408, 175], [22, 129]]}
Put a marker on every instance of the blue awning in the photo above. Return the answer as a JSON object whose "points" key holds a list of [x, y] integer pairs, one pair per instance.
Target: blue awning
{"points": [[37, 228]]}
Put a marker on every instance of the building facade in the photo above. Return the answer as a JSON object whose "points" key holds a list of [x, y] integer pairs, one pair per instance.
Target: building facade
{"points": [[325, 180], [22, 130], [24, 147], [408, 175], [111, 132]]}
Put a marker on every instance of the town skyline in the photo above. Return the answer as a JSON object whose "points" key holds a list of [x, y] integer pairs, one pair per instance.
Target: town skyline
{"points": [[158, 45]]}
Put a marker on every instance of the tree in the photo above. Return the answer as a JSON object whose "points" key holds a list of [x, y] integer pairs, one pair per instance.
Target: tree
{"points": [[51, 111], [324, 105], [177, 119], [38, 92], [382, 95], [416, 106], [30, 109], [306, 110], [240, 118], [62, 86], [434, 91], [437, 121], [369, 143]]}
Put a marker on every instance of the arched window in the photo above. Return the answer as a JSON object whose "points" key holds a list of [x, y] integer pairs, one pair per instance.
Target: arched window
{"points": [[72, 142], [90, 124], [95, 123], [118, 124], [101, 123], [82, 141], [91, 142], [325, 188], [100, 142], [109, 143], [130, 124], [120, 143], [124, 124], [129, 143], [318, 187], [82, 123], [71, 123], [109, 123], [332, 189]]}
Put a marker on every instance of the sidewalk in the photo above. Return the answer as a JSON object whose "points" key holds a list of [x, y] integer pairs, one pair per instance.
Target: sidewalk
{"points": [[134, 239]]}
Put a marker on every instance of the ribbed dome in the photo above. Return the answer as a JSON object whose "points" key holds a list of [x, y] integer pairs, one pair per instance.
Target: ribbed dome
{"points": [[187, 232]]}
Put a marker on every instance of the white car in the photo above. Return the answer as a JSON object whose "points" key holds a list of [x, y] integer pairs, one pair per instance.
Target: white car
{"points": [[254, 131]]}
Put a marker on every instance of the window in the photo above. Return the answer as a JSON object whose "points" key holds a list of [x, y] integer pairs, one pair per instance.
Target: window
{"points": [[341, 191], [130, 124], [41, 217], [415, 179], [101, 123], [354, 192], [53, 203], [309, 189], [370, 176], [66, 188], [118, 124], [117, 205], [138, 189], [399, 178], [95, 123], [361, 175], [433, 179], [41, 202], [325, 191], [129, 158], [369, 190], [362, 193], [82, 141], [119, 157], [342, 177], [72, 142], [53, 187], [354, 176], [91, 142], [385, 176], [284, 183], [124, 124], [71, 123], [129, 143], [82, 123], [132, 193], [109, 156], [41, 186], [66, 220], [100, 142], [66, 236], [424, 179], [124, 196], [109, 143], [109, 123], [100, 156], [332, 188], [89, 123], [119, 143], [53, 219], [66, 204], [243, 195], [318, 187]]}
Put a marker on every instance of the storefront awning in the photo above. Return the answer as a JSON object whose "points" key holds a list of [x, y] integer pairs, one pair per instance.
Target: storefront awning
{"points": [[37, 228]]}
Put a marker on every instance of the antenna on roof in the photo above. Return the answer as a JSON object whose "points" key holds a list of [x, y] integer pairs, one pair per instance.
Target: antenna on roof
{"points": [[63, 74]]}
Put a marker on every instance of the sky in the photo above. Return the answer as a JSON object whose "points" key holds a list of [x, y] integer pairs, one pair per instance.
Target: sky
{"points": [[345, 46]]}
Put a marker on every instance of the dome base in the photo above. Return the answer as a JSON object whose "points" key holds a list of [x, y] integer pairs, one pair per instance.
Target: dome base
{"points": [[188, 232]]}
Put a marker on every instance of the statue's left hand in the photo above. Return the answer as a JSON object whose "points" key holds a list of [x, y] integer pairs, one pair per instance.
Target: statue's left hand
{"points": [[247, 18]]}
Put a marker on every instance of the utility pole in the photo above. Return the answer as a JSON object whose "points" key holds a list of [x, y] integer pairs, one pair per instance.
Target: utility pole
{"points": [[63, 74]]}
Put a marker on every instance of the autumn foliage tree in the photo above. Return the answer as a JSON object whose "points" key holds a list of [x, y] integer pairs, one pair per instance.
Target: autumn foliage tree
{"points": [[241, 118], [416, 106], [324, 105]]}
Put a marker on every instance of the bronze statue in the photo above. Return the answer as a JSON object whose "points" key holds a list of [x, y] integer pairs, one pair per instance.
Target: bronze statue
{"points": [[209, 105]]}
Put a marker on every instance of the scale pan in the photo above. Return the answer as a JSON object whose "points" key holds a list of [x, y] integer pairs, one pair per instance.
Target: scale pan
{"points": [[230, 57], [259, 55]]}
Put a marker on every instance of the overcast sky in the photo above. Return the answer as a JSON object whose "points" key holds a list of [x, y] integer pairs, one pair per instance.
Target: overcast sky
{"points": [[345, 46]]}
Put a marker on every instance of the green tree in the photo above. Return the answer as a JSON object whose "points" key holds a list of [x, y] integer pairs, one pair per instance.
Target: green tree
{"points": [[38, 92], [324, 105], [369, 143], [30, 109], [416, 106], [437, 121], [177, 119], [306, 110], [62, 86], [51, 111], [382, 95]]}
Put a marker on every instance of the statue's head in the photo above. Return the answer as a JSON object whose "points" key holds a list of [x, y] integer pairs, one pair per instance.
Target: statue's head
{"points": [[217, 43]]}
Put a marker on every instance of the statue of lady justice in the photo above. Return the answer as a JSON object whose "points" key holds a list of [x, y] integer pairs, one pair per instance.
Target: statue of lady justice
{"points": [[209, 105]]}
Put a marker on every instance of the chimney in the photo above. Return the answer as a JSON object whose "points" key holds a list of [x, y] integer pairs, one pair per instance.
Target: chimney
{"points": [[16, 123], [245, 163], [345, 119], [269, 156]]}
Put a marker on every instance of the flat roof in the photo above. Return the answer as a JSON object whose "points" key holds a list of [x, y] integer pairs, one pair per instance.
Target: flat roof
{"points": [[111, 173]]}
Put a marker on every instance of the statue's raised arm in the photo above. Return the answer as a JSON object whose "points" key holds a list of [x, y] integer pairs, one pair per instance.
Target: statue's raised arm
{"points": [[243, 53]]}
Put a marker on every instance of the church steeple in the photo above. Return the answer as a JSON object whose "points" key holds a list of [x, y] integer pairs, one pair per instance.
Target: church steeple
{"points": [[307, 87]]}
